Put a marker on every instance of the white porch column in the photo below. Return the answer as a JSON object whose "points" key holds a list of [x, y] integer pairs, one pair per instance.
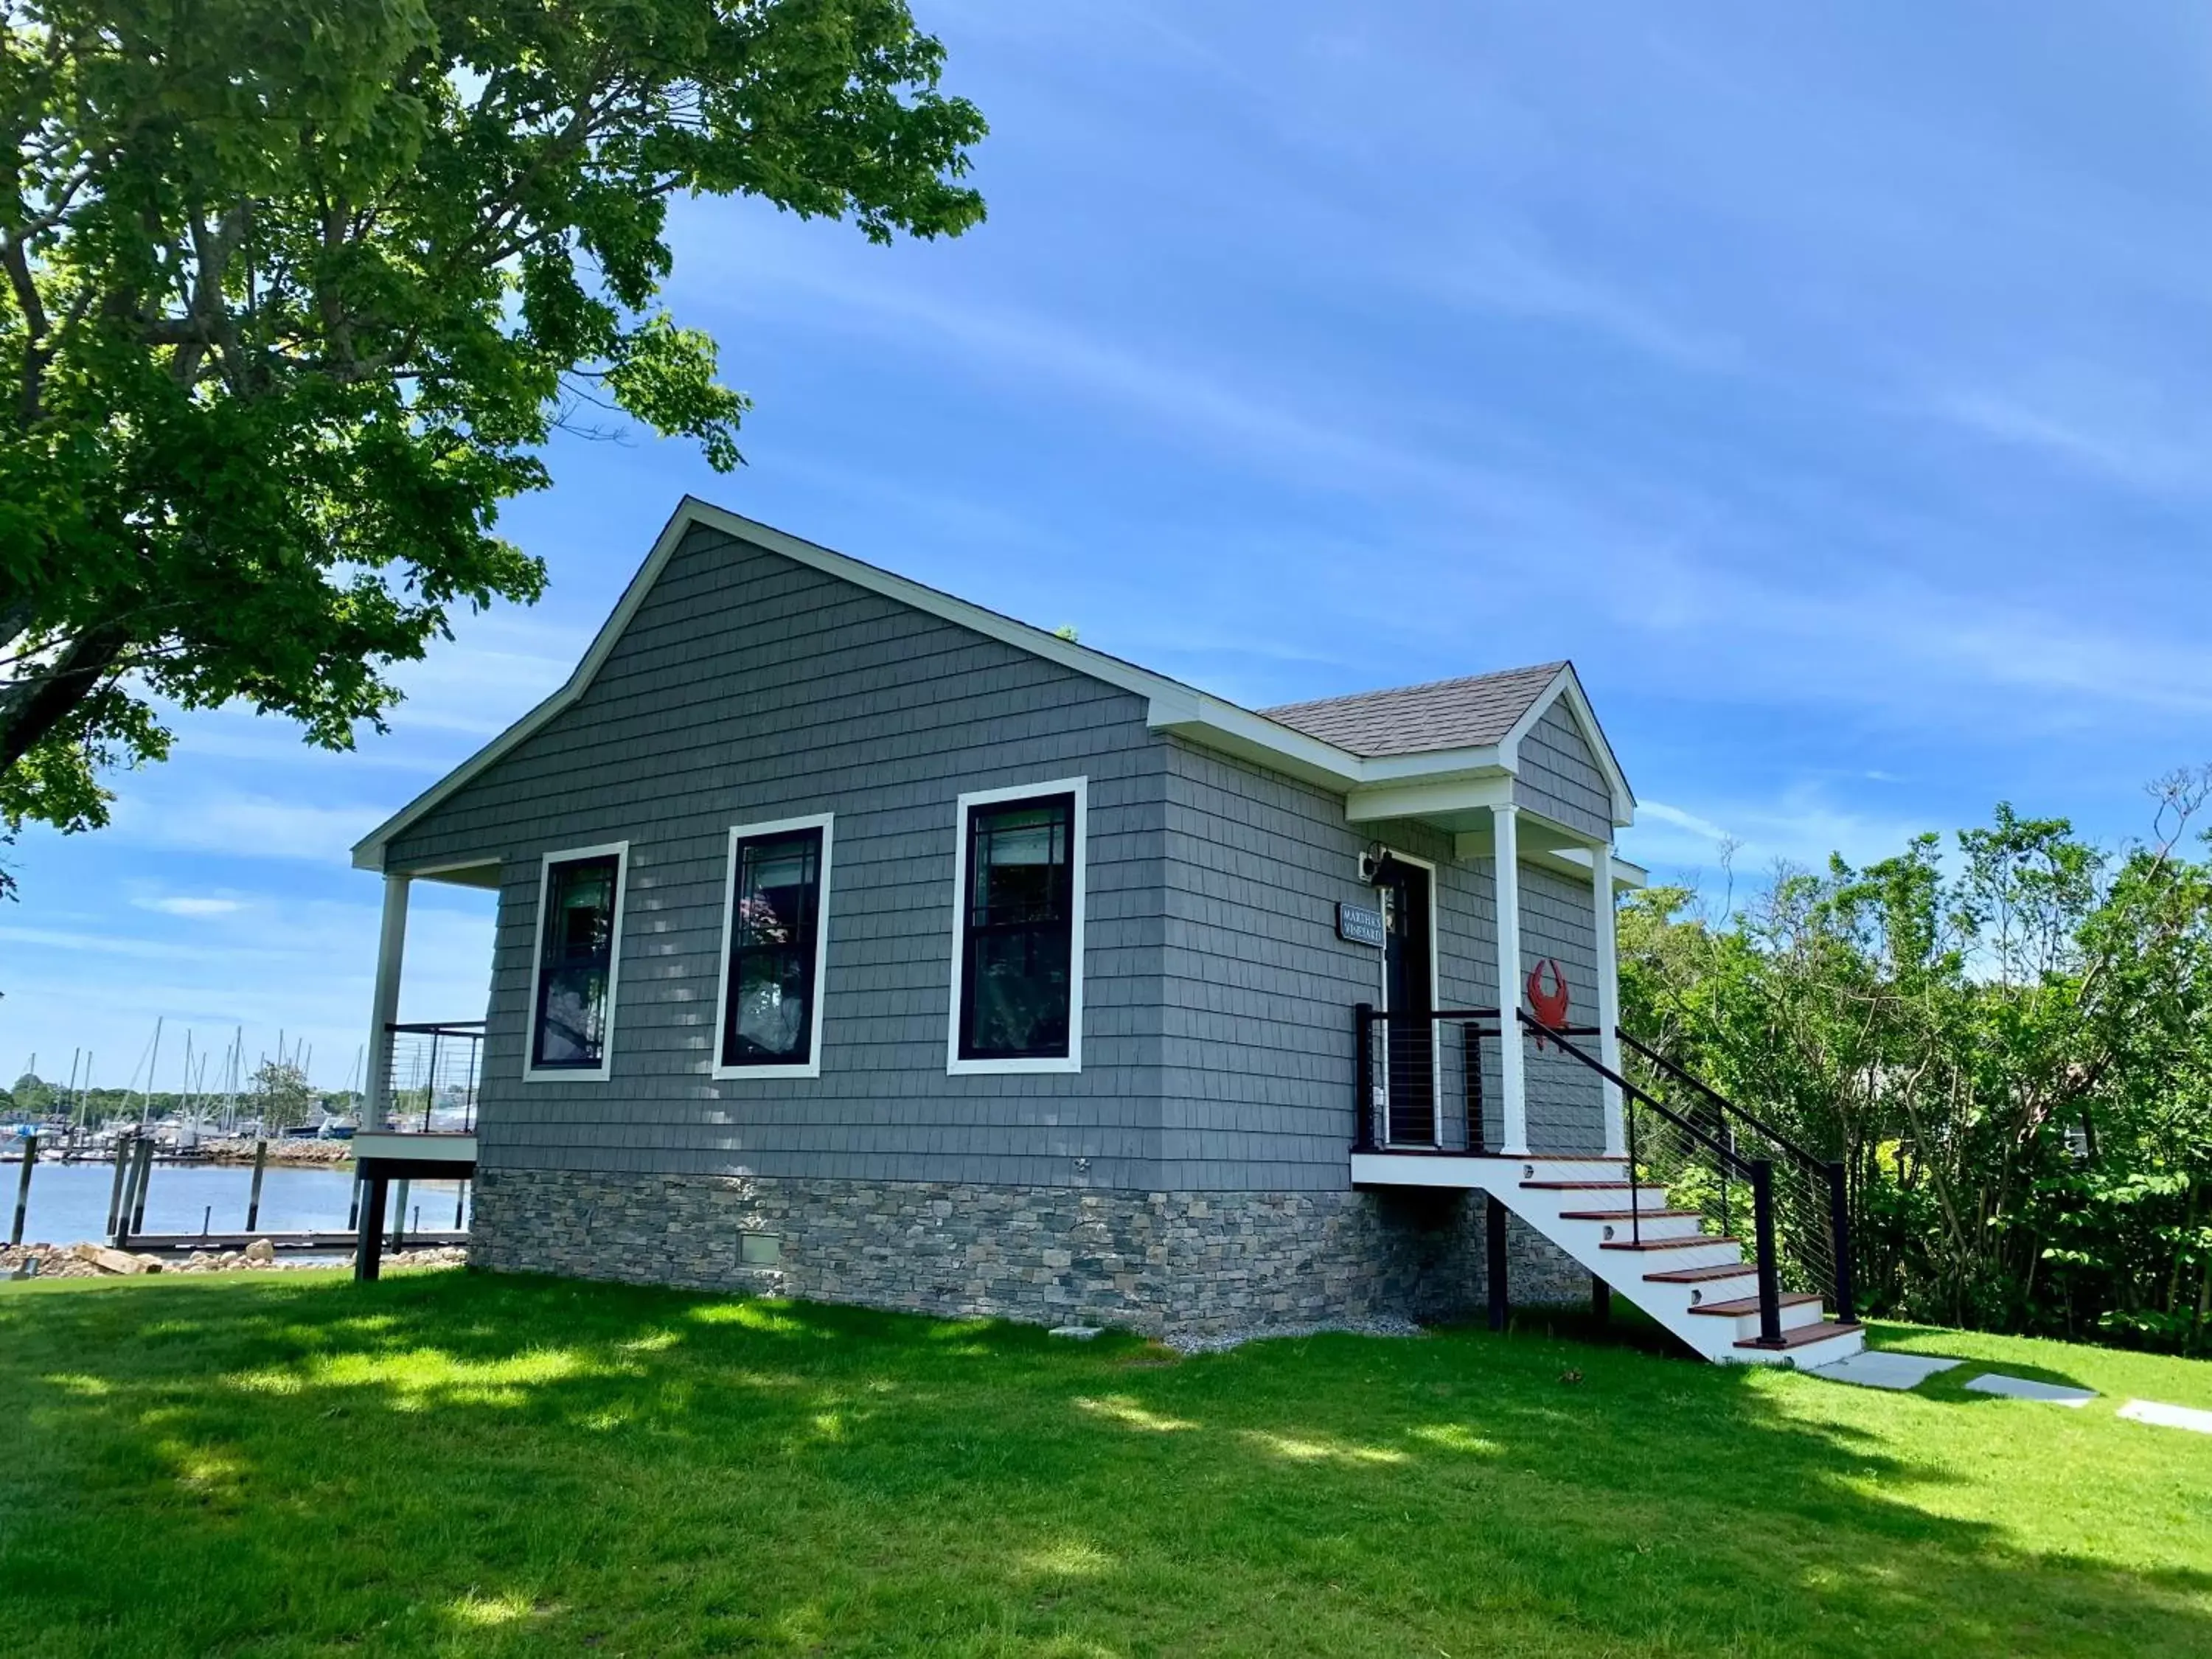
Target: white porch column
{"points": [[384, 1009], [1512, 1046], [1609, 993]]}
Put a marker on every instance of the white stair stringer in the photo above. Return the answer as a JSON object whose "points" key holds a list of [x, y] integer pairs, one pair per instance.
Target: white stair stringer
{"points": [[1554, 1196]]}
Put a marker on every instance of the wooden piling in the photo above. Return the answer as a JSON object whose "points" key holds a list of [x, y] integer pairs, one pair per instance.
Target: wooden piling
{"points": [[115, 1192], [23, 1188], [145, 1180], [353, 1205], [399, 1216], [253, 1195], [460, 1197]]}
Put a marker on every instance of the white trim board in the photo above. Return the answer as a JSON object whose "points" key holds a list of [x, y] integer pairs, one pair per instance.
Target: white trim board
{"points": [[740, 833], [532, 1072], [1079, 877], [1171, 705]]}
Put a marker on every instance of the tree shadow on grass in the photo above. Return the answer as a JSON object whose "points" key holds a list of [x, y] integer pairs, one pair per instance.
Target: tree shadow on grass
{"points": [[467, 1464]]}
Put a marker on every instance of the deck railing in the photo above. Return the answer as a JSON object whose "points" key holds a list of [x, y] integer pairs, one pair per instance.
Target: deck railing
{"points": [[431, 1075], [1421, 1088]]}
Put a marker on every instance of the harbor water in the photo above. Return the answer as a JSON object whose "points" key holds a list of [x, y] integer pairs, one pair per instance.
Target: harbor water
{"points": [[68, 1201]]}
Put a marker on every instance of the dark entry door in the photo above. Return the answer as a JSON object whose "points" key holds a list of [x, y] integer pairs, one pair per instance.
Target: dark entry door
{"points": [[1407, 953]]}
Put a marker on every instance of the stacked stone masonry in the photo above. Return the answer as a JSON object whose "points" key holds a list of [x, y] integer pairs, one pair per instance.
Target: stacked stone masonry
{"points": [[1167, 1264]]}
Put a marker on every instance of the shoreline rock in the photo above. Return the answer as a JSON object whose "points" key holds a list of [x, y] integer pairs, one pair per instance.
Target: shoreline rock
{"points": [[91, 1260]]}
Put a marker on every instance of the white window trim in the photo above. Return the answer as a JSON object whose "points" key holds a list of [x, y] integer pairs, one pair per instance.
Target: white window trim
{"points": [[1079, 877], [599, 1073], [1383, 1002], [743, 832]]}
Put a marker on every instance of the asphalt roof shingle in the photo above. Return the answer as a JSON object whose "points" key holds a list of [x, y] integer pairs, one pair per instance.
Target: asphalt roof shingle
{"points": [[1472, 712]]}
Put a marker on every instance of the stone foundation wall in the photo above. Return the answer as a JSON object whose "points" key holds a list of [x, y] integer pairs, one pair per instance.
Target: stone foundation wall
{"points": [[1167, 1264]]}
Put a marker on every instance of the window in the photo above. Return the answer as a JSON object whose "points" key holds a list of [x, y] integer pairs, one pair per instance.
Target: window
{"points": [[571, 988], [773, 927], [1017, 960]]}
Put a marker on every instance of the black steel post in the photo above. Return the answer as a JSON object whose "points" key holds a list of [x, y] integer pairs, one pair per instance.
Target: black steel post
{"points": [[1363, 1064], [1635, 1204], [369, 1245], [430, 1094], [1494, 1260], [1471, 1033], [1839, 1231], [253, 1193], [23, 1188], [1770, 1269]]}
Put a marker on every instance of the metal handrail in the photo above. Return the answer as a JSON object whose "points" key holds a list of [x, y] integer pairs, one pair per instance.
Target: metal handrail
{"points": [[1558, 1033], [1758, 1172], [1718, 1099], [1831, 1173]]}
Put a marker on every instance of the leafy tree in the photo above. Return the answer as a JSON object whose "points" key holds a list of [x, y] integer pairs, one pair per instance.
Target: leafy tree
{"points": [[291, 292], [2010, 1048], [279, 1092]]}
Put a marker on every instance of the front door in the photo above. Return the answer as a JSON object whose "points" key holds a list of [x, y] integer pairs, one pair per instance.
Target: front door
{"points": [[1407, 996]]}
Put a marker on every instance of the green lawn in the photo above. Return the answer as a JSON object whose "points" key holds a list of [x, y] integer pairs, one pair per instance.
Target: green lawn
{"points": [[454, 1464]]}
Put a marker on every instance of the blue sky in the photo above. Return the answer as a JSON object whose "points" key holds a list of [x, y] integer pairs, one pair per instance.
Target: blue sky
{"points": [[1830, 388]]}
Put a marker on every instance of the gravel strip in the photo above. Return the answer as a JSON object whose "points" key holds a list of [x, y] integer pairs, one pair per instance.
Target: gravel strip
{"points": [[1384, 1325]]}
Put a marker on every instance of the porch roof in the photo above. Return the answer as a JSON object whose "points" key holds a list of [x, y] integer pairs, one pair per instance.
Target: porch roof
{"points": [[1474, 712]]}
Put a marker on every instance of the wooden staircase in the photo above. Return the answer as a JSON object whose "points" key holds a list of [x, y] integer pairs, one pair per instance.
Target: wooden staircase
{"points": [[1703, 1287]]}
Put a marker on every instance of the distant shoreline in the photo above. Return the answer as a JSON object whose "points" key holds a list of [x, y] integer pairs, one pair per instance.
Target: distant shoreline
{"points": [[294, 1152]]}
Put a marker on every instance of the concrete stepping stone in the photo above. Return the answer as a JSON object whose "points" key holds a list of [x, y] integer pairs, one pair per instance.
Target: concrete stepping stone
{"points": [[2021, 1388], [2167, 1417], [1876, 1368]]}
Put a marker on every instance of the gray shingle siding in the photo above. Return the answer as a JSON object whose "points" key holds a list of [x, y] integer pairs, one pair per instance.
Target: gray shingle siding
{"points": [[748, 688], [1218, 1043], [1566, 1101], [1560, 779]]}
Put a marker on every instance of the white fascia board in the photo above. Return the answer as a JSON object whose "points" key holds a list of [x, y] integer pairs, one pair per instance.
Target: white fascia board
{"points": [[1186, 713], [1575, 861], [1414, 798], [1567, 686]]}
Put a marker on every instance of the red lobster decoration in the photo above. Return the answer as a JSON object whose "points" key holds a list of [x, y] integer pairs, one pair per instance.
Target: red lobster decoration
{"points": [[1550, 1007]]}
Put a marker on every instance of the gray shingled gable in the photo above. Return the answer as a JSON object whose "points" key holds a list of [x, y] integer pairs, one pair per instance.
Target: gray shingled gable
{"points": [[1475, 711]]}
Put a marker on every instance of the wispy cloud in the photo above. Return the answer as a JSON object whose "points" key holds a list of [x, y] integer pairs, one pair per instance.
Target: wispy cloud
{"points": [[2120, 430], [191, 906]]}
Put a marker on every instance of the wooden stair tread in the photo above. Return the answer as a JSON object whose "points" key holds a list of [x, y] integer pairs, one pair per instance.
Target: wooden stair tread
{"points": [[1698, 1275], [1804, 1333], [1749, 1305], [1588, 1186], [1625, 1215], [1694, 1241], [1555, 1157]]}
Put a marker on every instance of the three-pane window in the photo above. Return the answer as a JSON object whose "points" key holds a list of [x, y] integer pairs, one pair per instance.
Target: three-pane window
{"points": [[772, 973], [580, 907], [1019, 923]]}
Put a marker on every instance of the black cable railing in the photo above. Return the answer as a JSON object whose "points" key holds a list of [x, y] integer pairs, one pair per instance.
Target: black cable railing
{"points": [[1698, 1167], [1421, 1088], [1811, 1198], [431, 1074]]}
